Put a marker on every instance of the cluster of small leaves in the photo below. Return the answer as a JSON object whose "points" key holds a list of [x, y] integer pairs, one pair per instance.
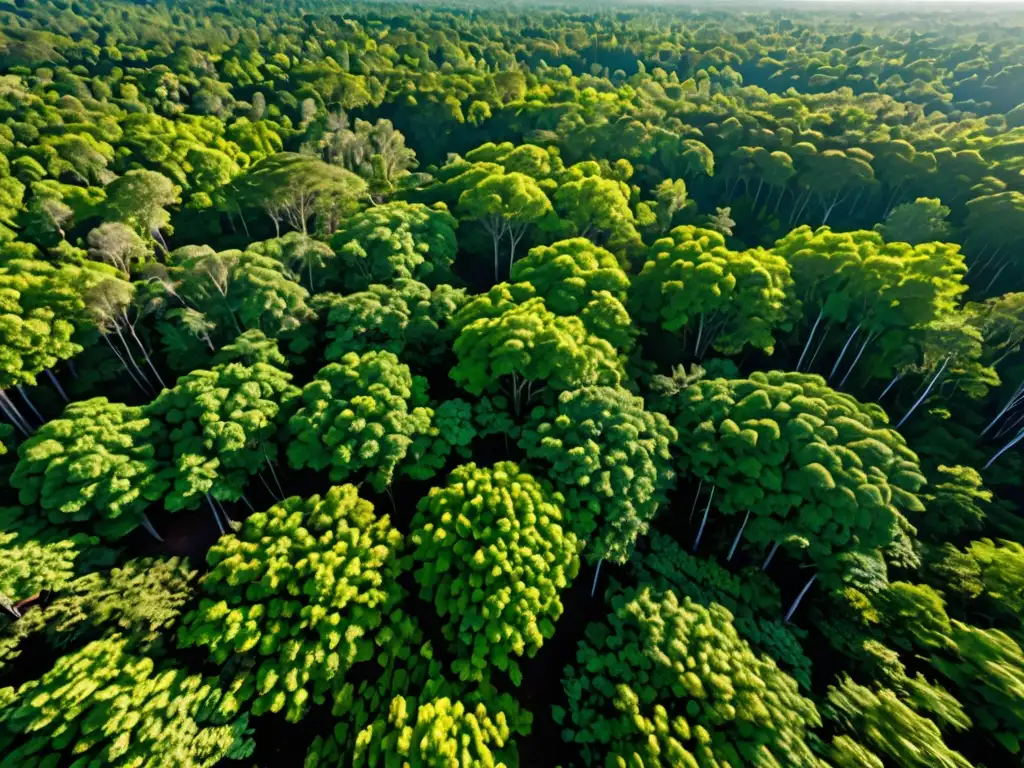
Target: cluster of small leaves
{"points": [[530, 343], [309, 588], [889, 726], [817, 469], [394, 240], [726, 299], [611, 460], [437, 732], [664, 681], [750, 596], [988, 672], [405, 317], [579, 279], [97, 463], [493, 557], [105, 705], [222, 426], [362, 413]]}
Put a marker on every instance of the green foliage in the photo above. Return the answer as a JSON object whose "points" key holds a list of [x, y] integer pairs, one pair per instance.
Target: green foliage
{"points": [[988, 671], [750, 596], [391, 241], [406, 318], [106, 705], [493, 558], [97, 463], [438, 732], [663, 679], [921, 221], [1001, 571], [361, 413], [530, 343], [818, 470], [320, 596], [890, 727], [221, 425], [610, 459], [692, 280]]}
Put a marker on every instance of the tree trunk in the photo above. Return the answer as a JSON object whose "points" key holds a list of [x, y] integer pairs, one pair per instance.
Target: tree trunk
{"points": [[771, 554], [149, 528], [145, 355], [810, 338], [216, 517], [1015, 399], [890, 385], [796, 603], [30, 404], [143, 386], [704, 520], [128, 353], [842, 353], [739, 535], [926, 391], [1019, 436], [868, 340], [693, 507], [597, 572], [14, 415], [56, 385]]}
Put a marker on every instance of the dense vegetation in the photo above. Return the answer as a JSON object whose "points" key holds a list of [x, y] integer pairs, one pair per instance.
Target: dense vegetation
{"points": [[446, 386]]}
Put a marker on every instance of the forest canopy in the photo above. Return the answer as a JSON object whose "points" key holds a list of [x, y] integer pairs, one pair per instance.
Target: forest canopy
{"points": [[477, 384]]}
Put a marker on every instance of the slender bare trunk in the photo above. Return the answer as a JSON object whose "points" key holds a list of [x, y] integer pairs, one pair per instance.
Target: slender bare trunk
{"points": [[739, 535], [704, 520], [12, 413], [926, 391], [796, 603], [868, 340], [30, 404], [810, 338], [149, 528], [842, 353], [56, 385], [597, 572], [771, 554]]}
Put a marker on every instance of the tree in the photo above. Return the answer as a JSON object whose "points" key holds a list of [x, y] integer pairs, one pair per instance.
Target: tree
{"points": [[818, 470], [668, 681], [32, 561], [292, 188], [41, 309], [610, 458], [598, 209], [1001, 570], [533, 346], [437, 732], [405, 318], [97, 463], [988, 671], [110, 303], [117, 244], [321, 595], [493, 557], [360, 414], [221, 427], [568, 274], [392, 241], [735, 298], [107, 705], [140, 199], [505, 204], [890, 727], [888, 295], [921, 221]]}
